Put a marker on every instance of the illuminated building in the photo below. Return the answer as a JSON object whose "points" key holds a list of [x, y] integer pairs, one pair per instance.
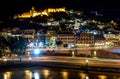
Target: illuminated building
{"points": [[77, 24], [113, 22], [34, 13], [101, 26], [22, 33], [112, 39], [99, 40], [85, 39], [17, 33], [40, 41], [50, 35], [28, 34], [67, 38], [31, 13]]}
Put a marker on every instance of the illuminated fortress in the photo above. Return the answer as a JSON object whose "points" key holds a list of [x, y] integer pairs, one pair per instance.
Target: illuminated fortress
{"points": [[46, 12]]}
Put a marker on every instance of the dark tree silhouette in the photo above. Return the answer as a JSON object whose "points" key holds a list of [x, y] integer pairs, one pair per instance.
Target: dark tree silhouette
{"points": [[17, 44]]}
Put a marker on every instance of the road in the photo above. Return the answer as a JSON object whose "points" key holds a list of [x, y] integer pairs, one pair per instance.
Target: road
{"points": [[79, 61]]}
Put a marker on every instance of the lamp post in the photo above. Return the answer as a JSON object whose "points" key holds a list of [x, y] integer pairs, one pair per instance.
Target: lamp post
{"points": [[94, 54], [29, 58], [73, 53], [86, 61]]}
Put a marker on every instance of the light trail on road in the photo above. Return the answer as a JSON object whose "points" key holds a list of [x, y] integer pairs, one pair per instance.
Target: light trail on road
{"points": [[114, 63]]}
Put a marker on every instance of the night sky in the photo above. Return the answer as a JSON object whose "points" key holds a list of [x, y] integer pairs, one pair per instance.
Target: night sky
{"points": [[11, 7]]}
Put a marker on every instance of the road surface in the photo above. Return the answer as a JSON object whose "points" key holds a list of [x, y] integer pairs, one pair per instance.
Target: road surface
{"points": [[79, 61]]}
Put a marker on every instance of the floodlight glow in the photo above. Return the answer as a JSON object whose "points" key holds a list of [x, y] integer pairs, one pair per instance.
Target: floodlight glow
{"points": [[31, 44], [94, 33], [70, 46], [41, 44], [36, 51], [36, 75]]}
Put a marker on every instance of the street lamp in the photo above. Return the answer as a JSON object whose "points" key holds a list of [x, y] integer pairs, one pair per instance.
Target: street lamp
{"points": [[94, 54], [29, 58], [86, 61], [73, 53]]}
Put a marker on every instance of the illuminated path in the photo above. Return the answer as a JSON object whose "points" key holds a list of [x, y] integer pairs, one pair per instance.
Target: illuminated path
{"points": [[96, 64]]}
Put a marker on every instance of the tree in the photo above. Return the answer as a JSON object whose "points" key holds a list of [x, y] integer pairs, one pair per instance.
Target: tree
{"points": [[22, 44], [3, 45], [17, 44]]}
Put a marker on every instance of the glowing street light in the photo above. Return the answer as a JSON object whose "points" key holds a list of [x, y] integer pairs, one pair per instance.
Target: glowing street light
{"points": [[73, 53], [36, 51], [29, 58], [94, 54], [86, 61]]}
